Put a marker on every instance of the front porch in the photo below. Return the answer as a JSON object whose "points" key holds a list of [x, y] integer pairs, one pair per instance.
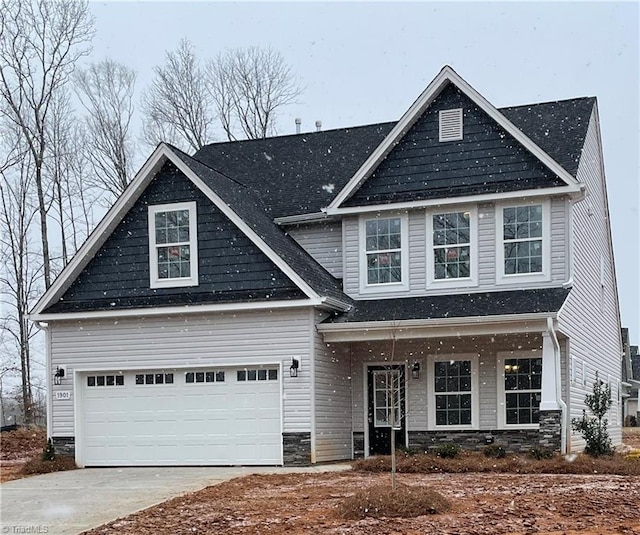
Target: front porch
{"points": [[463, 386]]}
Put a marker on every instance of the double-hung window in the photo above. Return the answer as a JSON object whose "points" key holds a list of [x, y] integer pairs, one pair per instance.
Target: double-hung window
{"points": [[521, 381], [454, 387], [173, 248], [523, 245], [452, 248], [383, 251]]}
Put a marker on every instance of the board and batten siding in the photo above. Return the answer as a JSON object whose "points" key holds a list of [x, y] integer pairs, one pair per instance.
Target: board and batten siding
{"points": [[172, 343], [486, 251], [332, 401], [590, 316], [323, 241]]}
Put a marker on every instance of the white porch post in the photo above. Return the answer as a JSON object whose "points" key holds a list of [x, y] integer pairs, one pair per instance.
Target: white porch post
{"points": [[549, 399]]}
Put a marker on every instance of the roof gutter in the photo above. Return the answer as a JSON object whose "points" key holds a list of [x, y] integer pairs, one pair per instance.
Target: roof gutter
{"points": [[315, 217]]}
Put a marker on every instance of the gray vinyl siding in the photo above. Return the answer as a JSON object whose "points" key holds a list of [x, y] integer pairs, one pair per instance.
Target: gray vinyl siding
{"points": [[323, 241], [332, 401], [590, 315], [252, 337], [486, 254]]}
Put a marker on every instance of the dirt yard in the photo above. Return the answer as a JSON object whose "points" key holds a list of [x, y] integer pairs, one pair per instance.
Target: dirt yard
{"points": [[17, 447], [482, 504]]}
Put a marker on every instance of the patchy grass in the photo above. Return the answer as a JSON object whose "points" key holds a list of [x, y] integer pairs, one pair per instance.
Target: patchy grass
{"points": [[58, 464], [381, 501], [426, 463]]}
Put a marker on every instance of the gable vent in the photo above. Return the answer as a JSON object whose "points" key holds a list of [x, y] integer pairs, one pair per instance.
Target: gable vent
{"points": [[451, 125]]}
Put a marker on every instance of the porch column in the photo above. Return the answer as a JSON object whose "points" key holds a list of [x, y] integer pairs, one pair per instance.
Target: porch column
{"points": [[550, 374]]}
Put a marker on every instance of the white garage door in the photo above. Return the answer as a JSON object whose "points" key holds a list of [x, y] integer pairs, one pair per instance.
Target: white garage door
{"points": [[214, 416]]}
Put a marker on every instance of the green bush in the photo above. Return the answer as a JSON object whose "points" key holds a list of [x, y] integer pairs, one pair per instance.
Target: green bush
{"points": [[495, 452], [594, 428], [447, 451]]}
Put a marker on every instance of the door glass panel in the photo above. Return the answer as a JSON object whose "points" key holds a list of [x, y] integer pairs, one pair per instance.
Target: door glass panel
{"points": [[386, 398]]}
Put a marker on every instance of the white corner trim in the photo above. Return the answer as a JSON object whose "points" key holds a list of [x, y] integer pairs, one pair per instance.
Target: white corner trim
{"points": [[447, 74]]}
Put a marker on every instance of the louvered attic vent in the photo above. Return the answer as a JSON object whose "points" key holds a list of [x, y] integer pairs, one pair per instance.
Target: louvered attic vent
{"points": [[451, 125]]}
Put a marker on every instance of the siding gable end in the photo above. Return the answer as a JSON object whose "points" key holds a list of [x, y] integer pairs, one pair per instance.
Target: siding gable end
{"points": [[232, 268], [487, 159]]}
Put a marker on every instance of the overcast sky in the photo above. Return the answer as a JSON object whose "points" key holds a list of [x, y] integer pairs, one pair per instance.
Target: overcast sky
{"points": [[366, 62]]}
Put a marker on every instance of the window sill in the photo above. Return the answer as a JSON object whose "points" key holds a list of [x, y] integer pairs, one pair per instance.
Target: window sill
{"points": [[174, 283], [523, 278], [384, 288]]}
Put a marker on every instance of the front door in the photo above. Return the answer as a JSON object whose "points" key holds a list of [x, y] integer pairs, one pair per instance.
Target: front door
{"points": [[386, 393]]}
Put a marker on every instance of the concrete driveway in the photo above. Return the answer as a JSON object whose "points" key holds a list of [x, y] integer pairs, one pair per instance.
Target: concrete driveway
{"points": [[65, 503]]}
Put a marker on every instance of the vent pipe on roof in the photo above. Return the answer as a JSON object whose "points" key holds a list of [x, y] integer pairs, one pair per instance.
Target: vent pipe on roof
{"points": [[298, 123], [318, 126]]}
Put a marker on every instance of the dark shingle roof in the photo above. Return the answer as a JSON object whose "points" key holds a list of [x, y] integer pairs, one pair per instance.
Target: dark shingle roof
{"points": [[245, 203], [558, 128], [455, 306], [301, 174], [635, 362], [296, 174]]}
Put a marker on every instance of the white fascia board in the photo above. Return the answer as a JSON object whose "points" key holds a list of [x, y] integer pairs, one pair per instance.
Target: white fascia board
{"points": [[176, 310], [435, 328], [315, 217], [104, 229], [466, 199], [447, 74], [246, 229]]}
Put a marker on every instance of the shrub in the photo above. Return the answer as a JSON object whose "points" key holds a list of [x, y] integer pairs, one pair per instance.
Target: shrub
{"points": [[594, 428], [382, 501], [40, 466], [540, 453], [447, 451], [495, 452], [49, 453]]}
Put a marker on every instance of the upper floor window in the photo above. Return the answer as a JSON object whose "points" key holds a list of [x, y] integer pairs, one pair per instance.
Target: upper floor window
{"points": [[523, 247], [451, 248], [383, 249], [173, 248], [450, 125]]}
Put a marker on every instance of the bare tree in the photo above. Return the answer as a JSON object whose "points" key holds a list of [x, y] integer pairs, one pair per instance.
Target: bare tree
{"points": [[249, 86], [177, 107], [21, 276], [106, 90], [40, 42]]}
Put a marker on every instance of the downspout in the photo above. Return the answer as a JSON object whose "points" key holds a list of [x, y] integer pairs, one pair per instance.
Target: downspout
{"points": [[47, 344], [563, 405]]}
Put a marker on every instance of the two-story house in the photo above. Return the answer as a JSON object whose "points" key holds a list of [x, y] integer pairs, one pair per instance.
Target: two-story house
{"points": [[292, 299]]}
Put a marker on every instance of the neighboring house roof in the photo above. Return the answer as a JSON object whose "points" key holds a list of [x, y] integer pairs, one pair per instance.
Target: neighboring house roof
{"points": [[635, 362], [455, 306]]}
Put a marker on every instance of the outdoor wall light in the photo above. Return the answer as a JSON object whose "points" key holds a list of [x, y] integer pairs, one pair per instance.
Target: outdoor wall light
{"points": [[57, 377], [293, 369], [415, 370]]}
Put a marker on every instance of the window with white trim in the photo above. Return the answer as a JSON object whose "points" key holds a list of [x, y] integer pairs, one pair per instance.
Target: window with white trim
{"points": [[450, 125], [523, 247], [453, 385], [383, 250], [522, 380], [451, 242], [173, 247]]}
